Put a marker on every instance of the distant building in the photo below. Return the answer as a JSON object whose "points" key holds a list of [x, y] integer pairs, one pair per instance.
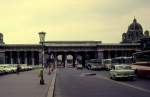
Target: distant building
{"points": [[1, 39], [134, 33], [31, 54], [145, 43]]}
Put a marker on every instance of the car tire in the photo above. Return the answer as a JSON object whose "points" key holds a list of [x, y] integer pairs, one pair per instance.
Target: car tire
{"points": [[110, 77], [133, 78], [113, 77]]}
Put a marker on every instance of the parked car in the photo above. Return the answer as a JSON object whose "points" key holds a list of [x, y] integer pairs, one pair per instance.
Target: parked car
{"points": [[69, 65], [122, 71], [7, 69], [25, 67], [107, 64], [11, 69], [94, 64], [2, 71], [79, 66]]}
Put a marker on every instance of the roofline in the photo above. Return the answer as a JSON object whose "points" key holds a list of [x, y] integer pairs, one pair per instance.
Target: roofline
{"points": [[78, 42], [120, 44], [21, 45], [72, 41]]}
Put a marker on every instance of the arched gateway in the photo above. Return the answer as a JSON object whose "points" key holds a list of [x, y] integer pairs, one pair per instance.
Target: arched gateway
{"points": [[31, 54]]}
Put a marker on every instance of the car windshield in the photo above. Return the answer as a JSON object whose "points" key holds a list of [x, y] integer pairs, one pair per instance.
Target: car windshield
{"points": [[94, 62], [122, 67], [121, 61]]}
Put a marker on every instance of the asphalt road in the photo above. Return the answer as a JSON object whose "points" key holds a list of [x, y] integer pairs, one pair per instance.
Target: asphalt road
{"points": [[26, 84], [73, 83]]}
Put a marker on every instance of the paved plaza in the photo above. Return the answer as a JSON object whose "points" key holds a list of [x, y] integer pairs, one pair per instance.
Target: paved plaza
{"points": [[25, 84], [71, 82]]}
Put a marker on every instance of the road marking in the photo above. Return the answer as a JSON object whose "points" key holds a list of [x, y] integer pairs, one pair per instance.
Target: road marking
{"points": [[125, 84], [52, 85]]}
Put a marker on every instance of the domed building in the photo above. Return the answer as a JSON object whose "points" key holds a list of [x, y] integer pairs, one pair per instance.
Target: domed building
{"points": [[146, 34], [134, 33], [1, 38]]}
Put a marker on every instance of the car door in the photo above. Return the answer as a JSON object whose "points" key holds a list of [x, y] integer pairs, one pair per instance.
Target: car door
{"points": [[112, 71]]}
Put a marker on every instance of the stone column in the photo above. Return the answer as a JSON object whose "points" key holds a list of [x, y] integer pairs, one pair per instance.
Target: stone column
{"points": [[37, 58], [66, 60], [2, 57], [25, 58], [18, 57], [109, 54], [74, 59], [83, 59], [100, 55], [87, 57], [116, 54], [11, 59], [126, 53], [63, 59], [122, 53], [32, 56]]}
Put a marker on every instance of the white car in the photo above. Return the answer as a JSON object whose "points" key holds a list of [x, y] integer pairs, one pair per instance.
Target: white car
{"points": [[122, 71], [79, 66], [2, 70], [94, 66], [8, 68]]}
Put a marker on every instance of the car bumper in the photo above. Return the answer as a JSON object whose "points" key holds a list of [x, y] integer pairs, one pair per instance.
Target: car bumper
{"points": [[125, 76], [96, 68], [79, 67]]}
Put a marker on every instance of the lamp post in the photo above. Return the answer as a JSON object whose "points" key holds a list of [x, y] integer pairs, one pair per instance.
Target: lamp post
{"points": [[42, 39]]}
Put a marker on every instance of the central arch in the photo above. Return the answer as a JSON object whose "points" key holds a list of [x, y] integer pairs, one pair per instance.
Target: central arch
{"points": [[69, 60]]}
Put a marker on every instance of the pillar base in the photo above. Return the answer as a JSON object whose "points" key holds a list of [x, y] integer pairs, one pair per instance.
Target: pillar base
{"points": [[42, 82]]}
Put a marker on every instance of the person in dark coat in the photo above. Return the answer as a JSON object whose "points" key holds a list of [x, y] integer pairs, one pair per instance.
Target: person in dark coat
{"points": [[18, 69]]}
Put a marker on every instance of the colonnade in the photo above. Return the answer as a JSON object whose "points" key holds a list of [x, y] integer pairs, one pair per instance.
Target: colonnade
{"points": [[107, 54], [35, 57], [22, 57]]}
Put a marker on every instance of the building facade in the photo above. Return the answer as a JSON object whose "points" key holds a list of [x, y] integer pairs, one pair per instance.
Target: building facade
{"points": [[31, 54]]}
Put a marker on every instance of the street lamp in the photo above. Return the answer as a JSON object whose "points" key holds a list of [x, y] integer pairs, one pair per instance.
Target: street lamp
{"points": [[42, 39]]}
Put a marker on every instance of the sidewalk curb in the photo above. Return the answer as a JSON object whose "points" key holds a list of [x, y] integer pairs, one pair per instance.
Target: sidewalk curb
{"points": [[52, 85]]}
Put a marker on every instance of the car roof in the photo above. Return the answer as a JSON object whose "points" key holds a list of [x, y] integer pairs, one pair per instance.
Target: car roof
{"points": [[121, 65]]}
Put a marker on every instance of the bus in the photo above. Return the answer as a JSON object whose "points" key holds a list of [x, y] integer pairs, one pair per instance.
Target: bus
{"points": [[108, 63], [122, 61], [141, 63]]}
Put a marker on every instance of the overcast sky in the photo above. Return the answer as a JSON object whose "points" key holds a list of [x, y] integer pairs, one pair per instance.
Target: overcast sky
{"points": [[101, 20]]}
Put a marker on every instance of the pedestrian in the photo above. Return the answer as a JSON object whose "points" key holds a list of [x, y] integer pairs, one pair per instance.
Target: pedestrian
{"points": [[18, 69], [41, 77], [49, 69]]}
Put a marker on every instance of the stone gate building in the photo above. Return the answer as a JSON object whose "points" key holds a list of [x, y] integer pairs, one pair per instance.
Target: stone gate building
{"points": [[31, 54]]}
